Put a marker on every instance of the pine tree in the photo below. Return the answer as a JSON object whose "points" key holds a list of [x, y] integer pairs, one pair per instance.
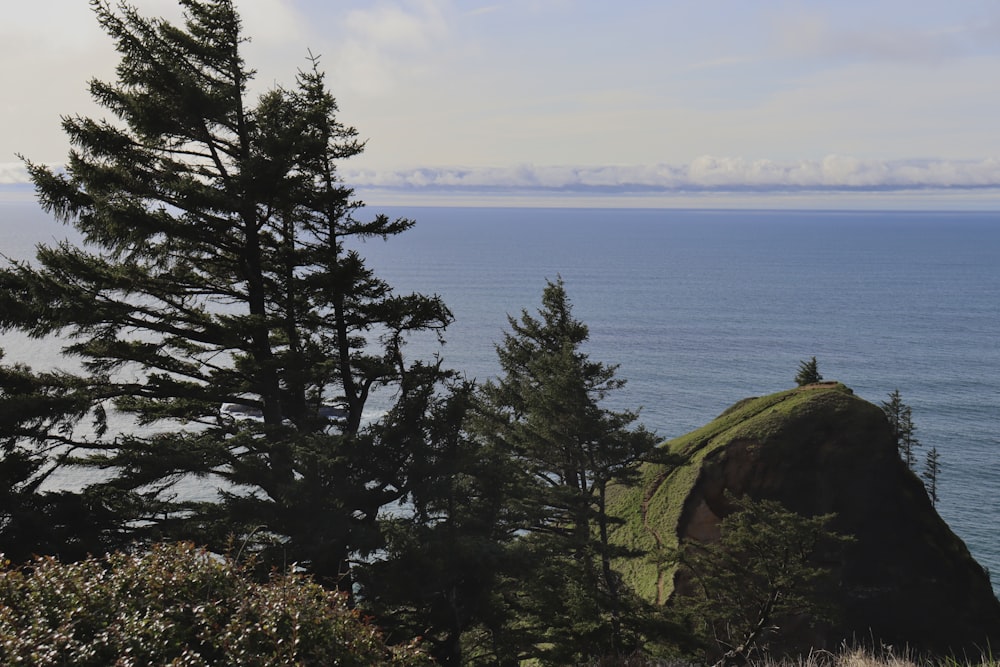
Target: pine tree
{"points": [[932, 469], [219, 267], [33, 521], [545, 409], [808, 373], [900, 417], [460, 534], [764, 567]]}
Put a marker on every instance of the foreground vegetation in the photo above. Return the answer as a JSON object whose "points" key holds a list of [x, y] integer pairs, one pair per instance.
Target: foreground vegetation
{"points": [[181, 606]]}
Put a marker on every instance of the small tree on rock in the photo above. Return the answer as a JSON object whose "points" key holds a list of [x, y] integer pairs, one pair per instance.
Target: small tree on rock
{"points": [[808, 373]]}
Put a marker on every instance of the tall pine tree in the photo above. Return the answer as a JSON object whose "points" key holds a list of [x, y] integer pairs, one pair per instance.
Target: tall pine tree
{"points": [[219, 267], [546, 411], [900, 417]]}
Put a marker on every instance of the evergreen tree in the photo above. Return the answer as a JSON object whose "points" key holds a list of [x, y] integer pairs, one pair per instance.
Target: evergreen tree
{"points": [[900, 417], [451, 558], [808, 373], [545, 409], [764, 567], [932, 468], [219, 267], [33, 520]]}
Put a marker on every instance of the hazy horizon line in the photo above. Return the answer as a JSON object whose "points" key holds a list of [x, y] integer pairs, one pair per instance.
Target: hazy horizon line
{"points": [[834, 182]]}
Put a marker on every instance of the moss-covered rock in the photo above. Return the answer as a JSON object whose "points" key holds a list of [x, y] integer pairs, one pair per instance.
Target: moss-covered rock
{"points": [[906, 579]]}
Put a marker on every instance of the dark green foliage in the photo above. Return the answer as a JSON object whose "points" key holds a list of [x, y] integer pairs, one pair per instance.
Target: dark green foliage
{"points": [[453, 556], [34, 521], [900, 417], [763, 570], [545, 411], [220, 266], [808, 373], [71, 526], [177, 605]]}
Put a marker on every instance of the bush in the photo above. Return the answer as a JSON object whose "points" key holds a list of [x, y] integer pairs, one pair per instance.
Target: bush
{"points": [[181, 606]]}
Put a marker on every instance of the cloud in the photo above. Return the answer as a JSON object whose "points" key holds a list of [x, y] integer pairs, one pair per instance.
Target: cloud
{"points": [[885, 37], [707, 174], [13, 173], [489, 9], [272, 22], [834, 173], [377, 52]]}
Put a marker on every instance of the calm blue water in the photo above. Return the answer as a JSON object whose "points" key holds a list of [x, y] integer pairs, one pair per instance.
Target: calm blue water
{"points": [[703, 308]]}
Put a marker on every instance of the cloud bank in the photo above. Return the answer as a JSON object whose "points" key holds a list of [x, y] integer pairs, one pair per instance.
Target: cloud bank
{"points": [[832, 174], [705, 174]]}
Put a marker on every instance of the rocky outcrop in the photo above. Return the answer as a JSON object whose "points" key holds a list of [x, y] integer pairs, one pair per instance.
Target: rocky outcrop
{"points": [[905, 580]]}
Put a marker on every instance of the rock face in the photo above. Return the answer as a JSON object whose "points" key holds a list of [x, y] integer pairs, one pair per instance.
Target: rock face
{"points": [[906, 580]]}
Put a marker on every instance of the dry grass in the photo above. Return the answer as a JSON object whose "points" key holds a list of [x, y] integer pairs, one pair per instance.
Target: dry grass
{"points": [[866, 658], [846, 658], [858, 658]]}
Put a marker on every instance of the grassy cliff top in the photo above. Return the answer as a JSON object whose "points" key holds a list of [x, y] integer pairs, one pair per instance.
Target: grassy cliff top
{"points": [[652, 508]]}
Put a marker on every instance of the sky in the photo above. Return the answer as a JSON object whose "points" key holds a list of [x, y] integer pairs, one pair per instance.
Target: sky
{"points": [[874, 103]]}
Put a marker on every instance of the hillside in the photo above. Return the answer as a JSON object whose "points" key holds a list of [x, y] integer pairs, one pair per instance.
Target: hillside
{"points": [[907, 579]]}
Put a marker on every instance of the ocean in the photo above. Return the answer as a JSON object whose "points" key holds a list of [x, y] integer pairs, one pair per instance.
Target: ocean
{"points": [[701, 308]]}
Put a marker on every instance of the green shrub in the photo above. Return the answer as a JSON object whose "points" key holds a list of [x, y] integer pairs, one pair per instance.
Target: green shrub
{"points": [[181, 606]]}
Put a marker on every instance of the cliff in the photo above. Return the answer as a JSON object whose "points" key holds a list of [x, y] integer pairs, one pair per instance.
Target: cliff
{"points": [[906, 579]]}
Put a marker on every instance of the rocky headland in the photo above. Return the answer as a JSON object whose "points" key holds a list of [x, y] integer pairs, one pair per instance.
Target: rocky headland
{"points": [[905, 580]]}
